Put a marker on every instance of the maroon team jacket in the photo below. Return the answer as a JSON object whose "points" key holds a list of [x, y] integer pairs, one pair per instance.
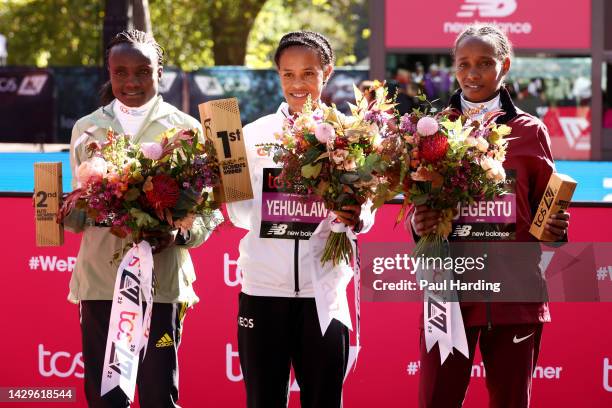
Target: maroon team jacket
{"points": [[529, 157]]}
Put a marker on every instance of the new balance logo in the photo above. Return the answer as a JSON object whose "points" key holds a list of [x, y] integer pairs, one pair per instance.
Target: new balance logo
{"points": [[487, 8], [164, 341], [462, 231], [277, 229]]}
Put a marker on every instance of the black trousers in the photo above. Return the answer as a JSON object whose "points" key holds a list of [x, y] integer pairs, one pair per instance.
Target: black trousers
{"points": [[275, 333], [157, 379], [509, 354]]}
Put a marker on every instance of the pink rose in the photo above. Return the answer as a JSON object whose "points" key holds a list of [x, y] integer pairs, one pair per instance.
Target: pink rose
{"points": [[339, 155], [349, 163], [151, 150], [92, 169], [427, 126], [494, 168], [324, 132]]}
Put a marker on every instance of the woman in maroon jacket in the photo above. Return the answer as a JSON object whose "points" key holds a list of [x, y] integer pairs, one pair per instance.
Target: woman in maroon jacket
{"points": [[509, 333]]}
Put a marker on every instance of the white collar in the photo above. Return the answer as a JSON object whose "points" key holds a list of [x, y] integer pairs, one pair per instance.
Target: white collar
{"points": [[132, 118], [283, 109], [127, 111], [477, 110]]}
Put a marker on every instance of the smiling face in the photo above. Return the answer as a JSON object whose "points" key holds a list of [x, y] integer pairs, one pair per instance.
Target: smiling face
{"points": [[134, 73], [479, 71], [301, 74]]}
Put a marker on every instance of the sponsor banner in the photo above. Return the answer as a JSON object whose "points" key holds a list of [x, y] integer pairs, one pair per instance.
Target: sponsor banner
{"points": [[26, 105], [388, 360], [570, 131], [258, 90], [16, 174], [285, 214], [526, 22]]}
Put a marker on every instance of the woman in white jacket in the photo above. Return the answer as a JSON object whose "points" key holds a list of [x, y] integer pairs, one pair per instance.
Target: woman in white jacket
{"points": [[280, 324]]}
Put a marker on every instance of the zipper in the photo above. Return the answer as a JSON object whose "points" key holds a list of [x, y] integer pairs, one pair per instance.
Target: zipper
{"points": [[296, 269]]}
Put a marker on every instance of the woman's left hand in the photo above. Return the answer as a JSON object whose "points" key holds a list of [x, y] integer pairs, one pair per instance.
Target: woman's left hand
{"points": [[558, 224], [159, 240], [349, 214]]}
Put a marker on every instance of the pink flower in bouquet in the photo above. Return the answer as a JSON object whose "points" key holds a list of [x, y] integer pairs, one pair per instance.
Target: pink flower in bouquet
{"points": [[349, 164], [494, 168], [151, 150], [471, 141], [339, 155], [307, 122], [427, 126], [482, 144], [324, 132], [407, 123], [92, 169]]}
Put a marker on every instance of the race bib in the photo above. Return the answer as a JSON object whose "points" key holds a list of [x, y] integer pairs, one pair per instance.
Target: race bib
{"points": [[286, 214], [491, 220]]}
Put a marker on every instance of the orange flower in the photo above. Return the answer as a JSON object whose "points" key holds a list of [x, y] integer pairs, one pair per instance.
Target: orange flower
{"points": [[422, 174]]}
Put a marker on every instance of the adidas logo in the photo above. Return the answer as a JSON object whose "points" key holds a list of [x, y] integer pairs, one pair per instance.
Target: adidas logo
{"points": [[165, 341]]}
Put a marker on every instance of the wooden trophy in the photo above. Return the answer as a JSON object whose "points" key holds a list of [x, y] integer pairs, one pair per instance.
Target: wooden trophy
{"points": [[47, 201], [221, 123]]}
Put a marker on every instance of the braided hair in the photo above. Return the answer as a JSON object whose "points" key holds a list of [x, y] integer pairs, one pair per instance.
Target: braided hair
{"points": [[130, 36], [310, 39], [490, 33]]}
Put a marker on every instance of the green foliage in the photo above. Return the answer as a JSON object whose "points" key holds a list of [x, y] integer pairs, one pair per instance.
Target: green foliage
{"points": [[52, 32], [311, 170], [183, 29], [194, 33], [339, 20]]}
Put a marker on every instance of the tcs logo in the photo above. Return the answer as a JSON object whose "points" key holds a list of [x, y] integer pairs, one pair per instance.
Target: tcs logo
{"points": [[231, 278], [8, 84], [59, 364]]}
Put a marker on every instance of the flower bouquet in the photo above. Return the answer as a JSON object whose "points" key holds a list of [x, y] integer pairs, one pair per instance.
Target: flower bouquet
{"points": [[135, 188], [336, 157], [449, 159]]}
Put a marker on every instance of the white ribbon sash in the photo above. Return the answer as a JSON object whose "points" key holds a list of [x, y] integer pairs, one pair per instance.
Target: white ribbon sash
{"points": [[330, 281], [443, 321], [128, 330], [444, 325]]}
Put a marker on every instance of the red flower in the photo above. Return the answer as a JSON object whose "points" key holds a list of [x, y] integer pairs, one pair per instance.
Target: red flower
{"points": [[165, 192], [340, 143], [433, 148]]}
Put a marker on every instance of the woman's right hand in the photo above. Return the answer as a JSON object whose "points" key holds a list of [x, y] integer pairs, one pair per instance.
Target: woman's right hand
{"points": [[424, 220]]}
